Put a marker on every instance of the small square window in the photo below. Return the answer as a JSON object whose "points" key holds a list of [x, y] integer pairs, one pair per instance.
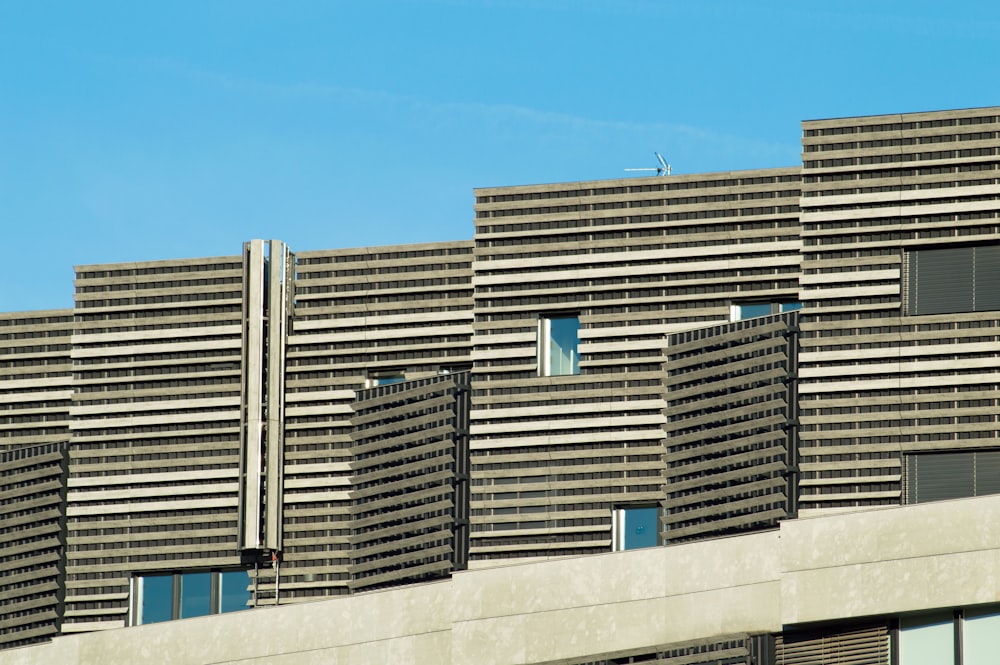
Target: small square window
{"points": [[558, 345], [635, 527]]}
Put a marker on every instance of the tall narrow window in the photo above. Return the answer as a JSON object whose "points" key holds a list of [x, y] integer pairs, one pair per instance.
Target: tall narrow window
{"points": [[558, 343], [156, 598], [196, 595]]}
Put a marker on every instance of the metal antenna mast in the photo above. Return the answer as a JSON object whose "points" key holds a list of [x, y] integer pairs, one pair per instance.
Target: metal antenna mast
{"points": [[662, 169]]}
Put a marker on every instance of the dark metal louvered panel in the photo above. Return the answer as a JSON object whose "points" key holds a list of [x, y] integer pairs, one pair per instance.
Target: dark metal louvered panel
{"points": [[948, 280], [987, 278], [407, 504], [987, 472], [940, 476], [941, 281], [728, 428], [868, 645], [952, 475]]}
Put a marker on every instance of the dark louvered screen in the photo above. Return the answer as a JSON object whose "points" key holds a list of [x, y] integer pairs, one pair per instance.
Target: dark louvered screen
{"points": [[941, 281], [987, 276], [940, 476], [953, 279], [987, 472]]}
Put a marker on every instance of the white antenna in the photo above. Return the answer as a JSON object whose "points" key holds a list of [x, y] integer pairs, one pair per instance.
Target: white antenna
{"points": [[662, 169]]}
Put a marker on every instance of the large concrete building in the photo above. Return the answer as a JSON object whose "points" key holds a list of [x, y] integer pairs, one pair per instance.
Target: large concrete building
{"points": [[781, 387]]}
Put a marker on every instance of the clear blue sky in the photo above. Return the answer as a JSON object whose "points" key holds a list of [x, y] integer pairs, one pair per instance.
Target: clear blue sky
{"points": [[148, 130]]}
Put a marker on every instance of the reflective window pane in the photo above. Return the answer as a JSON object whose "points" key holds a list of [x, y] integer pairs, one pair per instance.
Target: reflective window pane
{"points": [[641, 528], [564, 335], [755, 310], [790, 306], [196, 594], [235, 591], [157, 598], [981, 637], [927, 640]]}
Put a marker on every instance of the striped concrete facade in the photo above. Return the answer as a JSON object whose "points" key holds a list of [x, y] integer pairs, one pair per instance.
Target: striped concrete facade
{"points": [[36, 377], [636, 260], [877, 383], [409, 481], [361, 316], [338, 421], [154, 428]]}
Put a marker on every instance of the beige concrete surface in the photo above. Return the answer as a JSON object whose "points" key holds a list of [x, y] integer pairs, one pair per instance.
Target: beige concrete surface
{"points": [[847, 565]]}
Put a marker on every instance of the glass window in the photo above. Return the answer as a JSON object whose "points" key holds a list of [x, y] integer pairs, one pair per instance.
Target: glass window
{"points": [[558, 342], [386, 379], [157, 598], [751, 310], [927, 640], [196, 595], [234, 594], [981, 637], [754, 310], [636, 527], [181, 596]]}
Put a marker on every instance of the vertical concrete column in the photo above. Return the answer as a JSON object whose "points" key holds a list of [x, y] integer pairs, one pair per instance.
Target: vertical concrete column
{"points": [[252, 396], [279, 294]]}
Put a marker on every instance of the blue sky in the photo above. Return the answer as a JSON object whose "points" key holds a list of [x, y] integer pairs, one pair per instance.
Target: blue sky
{"points": [[141, 130]]}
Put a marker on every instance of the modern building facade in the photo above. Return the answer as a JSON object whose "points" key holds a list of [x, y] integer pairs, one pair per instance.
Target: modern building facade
{"points": [[763, 370]]}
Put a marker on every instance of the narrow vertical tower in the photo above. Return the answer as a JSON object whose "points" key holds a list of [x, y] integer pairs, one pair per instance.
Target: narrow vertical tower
{"points": [[267, 275]]}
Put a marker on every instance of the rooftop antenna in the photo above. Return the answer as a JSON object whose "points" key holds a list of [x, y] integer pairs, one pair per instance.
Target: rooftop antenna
{"points": [[662, 169]]}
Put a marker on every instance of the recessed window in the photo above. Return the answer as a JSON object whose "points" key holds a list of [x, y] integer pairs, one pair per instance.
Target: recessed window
{"points": [[636, 527], [558, 344], [952, 279], [157, 598], [750, 310], [385, 379]]}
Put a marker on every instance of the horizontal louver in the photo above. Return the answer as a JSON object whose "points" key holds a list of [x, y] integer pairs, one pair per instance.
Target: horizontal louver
{"points": [[862, 646], [728, 434], [954, 279], [737, 649], [941, 476]]}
